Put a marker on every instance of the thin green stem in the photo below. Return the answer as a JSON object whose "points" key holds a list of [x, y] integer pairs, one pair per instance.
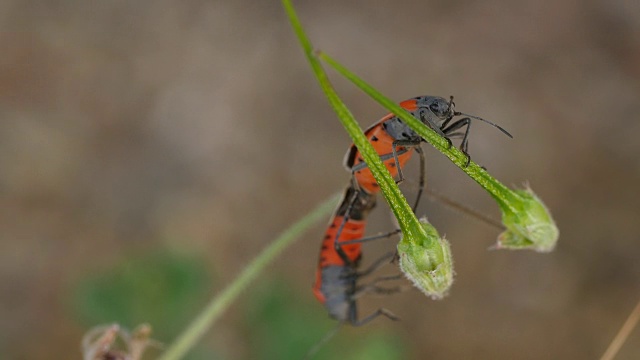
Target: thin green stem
{"points": [[408, 222], [220, 303]]}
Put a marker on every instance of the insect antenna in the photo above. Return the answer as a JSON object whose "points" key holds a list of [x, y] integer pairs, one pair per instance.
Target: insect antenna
{"points": [[457, 113], [312, 352]]}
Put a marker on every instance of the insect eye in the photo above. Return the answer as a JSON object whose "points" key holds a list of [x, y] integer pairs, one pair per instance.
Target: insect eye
{"points": [[435, 108]]}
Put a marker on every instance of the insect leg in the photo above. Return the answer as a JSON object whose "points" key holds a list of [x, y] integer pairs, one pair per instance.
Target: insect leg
{"points": [[464, 145], [394, 151], [382, 311], [377, 264]]}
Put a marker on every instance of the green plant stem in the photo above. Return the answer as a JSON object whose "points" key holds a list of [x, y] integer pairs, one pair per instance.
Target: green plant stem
{"points": [[221, 302], [409, 224]]}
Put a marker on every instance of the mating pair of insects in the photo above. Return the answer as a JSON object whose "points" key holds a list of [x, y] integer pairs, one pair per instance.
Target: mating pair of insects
{"points": [[337, 274]]}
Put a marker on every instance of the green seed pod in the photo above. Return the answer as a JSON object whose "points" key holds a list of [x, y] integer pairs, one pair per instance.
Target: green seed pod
{"points": [[530, 227], [426, 261]]}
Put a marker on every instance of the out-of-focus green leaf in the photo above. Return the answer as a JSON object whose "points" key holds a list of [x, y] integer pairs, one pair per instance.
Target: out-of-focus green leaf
{"points": [[163, 289], [282, 325]]}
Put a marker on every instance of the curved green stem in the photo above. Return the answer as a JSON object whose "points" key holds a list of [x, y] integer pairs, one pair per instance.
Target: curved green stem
{"points": [[220, 303], [409, 224], [427, 257]]}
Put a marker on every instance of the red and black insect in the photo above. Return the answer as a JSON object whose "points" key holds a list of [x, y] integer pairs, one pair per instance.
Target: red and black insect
{"points": [[337, 274], [394, 141]]}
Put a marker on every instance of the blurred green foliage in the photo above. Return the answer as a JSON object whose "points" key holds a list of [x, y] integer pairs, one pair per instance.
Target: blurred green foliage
{"points": [[164, 289], [283, 326]]}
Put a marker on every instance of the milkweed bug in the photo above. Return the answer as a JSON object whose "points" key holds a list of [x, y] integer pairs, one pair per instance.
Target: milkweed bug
{"points": [[394, 141], [337, 273]]}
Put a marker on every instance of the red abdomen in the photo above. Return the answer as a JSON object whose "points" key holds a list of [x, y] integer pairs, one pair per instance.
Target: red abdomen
{"points": [[353, 230]]}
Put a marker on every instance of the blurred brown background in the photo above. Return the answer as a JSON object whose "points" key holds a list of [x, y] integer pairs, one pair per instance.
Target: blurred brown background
{"points": [[128, 127]]}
